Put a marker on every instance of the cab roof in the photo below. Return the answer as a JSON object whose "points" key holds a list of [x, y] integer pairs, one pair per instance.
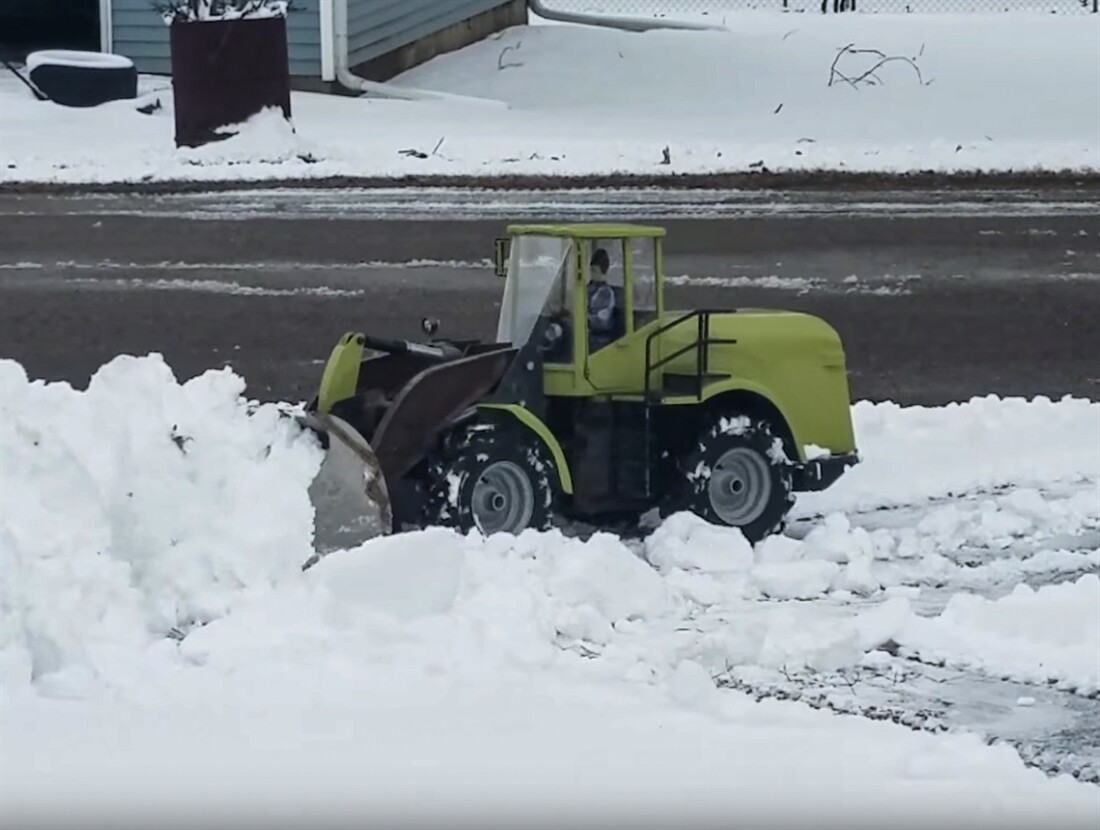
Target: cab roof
{"points": [[589, 231]]}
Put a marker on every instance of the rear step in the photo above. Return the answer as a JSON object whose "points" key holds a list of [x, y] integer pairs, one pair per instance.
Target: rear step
{"points": [[677, 384]]}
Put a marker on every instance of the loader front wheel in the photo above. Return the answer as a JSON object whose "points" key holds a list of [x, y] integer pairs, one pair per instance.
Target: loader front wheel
{"points": [[491, 478], [739, 476]]}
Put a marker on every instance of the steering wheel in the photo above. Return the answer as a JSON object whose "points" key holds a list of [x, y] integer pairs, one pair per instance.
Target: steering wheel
{"points": [[554, 335]]}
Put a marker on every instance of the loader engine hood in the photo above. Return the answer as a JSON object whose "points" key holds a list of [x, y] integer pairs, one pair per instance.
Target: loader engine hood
{"points": [[793, 334], [793, 359]]}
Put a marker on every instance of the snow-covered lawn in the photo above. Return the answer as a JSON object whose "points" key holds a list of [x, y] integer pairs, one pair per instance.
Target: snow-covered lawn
{"points": [[993, 93], [163, 655]]}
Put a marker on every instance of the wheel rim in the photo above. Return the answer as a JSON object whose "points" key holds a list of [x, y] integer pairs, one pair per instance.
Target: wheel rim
{"points": [[503, 499], [740, 486]]}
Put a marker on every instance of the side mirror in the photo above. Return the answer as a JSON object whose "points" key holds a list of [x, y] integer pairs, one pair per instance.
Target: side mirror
{"points": [[502, 249]]}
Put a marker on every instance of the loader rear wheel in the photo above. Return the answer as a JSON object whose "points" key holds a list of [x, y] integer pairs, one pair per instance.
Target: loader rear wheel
{"points": [[493, 478], [737, 475]]}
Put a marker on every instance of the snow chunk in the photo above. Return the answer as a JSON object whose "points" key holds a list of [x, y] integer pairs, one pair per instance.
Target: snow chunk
{"points": [[825, 645], [604, 574], [775, 549], [795, 580], [836, 540], [686, 541], [407, 576], [691, 685], [883, 623]]}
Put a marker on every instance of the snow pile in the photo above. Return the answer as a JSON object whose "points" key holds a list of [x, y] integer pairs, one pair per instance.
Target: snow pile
{"points": [[138, 506], [266, 138], [1038, 636], [993, 92], [915, 453]]}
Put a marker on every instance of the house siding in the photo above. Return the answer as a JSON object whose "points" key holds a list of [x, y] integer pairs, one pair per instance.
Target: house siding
{"points": [[139, 33], [377, 27]]}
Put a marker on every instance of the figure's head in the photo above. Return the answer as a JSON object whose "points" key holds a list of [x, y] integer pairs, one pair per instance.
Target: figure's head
{"points": [[600, 264]]}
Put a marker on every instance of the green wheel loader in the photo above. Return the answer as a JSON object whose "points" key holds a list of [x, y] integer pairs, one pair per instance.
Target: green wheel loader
{"points": [[593, 400]]}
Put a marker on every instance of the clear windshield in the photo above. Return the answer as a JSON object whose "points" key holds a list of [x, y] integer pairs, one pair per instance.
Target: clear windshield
{"points": [[537, 271]]}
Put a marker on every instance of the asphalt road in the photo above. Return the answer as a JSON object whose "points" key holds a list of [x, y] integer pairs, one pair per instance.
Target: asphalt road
{"points": [[938, 297]]}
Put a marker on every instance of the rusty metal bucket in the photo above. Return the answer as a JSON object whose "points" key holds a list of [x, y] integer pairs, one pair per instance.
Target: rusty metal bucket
{"points": [[349, 495]]}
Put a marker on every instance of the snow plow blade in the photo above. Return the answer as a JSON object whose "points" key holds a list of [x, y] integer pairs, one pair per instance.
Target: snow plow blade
{"points": [[351, 502]]}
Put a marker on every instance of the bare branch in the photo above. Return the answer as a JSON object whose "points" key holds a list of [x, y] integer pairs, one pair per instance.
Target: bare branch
{"points": [[501, 64], [870, 72], [870, 76], [832, 69]]}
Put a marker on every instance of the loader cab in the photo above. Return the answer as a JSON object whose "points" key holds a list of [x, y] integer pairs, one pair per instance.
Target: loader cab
{"points": [[575, 291]]}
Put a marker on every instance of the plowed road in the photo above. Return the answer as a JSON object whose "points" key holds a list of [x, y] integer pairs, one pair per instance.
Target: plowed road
{"points": [[938, 296]]}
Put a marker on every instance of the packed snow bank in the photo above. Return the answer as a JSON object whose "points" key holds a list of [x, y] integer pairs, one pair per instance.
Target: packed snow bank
{"points": [[136, 506], [995, 93], [915, 453], [1038, 636]]}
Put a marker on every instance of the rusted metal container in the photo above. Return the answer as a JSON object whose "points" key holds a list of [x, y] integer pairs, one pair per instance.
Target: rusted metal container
{"points": [[226, 71]]}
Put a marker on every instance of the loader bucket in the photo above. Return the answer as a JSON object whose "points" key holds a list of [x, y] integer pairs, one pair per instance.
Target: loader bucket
{"points": [[350, 499]]}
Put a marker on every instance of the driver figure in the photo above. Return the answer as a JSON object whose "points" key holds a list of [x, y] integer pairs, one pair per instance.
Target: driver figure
{"points": [[602, 299]]}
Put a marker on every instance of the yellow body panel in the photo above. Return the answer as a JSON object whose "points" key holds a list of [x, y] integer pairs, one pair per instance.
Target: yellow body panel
{"points": [[794, 360]]}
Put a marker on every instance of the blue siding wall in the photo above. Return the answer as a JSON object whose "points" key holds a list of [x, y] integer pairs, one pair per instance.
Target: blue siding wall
{"points": [[140, 34], [376, 27]]}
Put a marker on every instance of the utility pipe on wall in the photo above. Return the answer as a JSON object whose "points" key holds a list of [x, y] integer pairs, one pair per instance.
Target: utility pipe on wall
{"points": [[353, 82]]}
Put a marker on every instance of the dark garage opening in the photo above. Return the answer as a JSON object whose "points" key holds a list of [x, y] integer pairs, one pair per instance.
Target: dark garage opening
{"points": [[29, 25]]}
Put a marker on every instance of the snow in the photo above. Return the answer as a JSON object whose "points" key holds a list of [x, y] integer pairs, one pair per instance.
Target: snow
{"points": [[913, 453], [795, 580], [134, 507], [165, 265], [69, 57], [162, 650], [209, 10], [994, 93], [509, 752], [1047, 635]]}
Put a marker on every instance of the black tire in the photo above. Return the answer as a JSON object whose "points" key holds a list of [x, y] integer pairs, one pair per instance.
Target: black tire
{"points": [[82, 79], [733, 459], [491, 477]]}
